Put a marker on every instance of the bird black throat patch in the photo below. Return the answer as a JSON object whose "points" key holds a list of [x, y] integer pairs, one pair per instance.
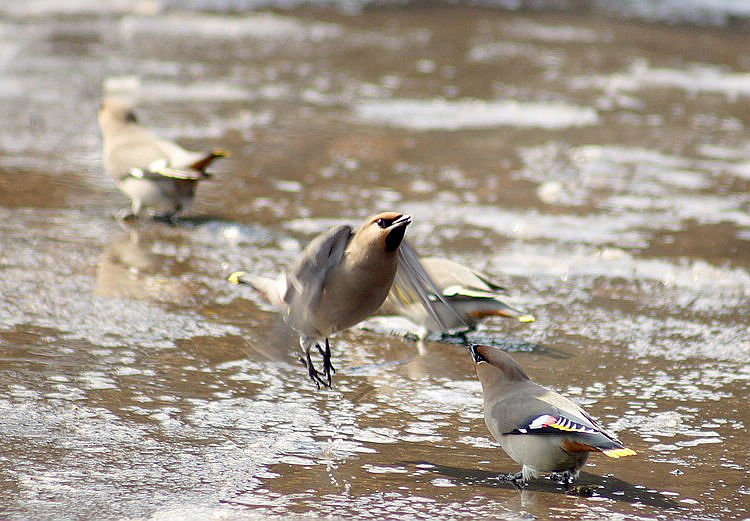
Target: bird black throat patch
{"points": [[394, 238]]}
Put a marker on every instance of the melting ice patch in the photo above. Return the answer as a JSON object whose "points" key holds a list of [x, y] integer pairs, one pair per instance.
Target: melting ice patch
{"points": [[77, 7], [500, 51], [553, 33], [696, 78], [633, 179], [312, 226], [263, 26], [592, 229], [736, 161], [698, 12], [441, 114], [206, 91], [564, 261], [570, 176]]}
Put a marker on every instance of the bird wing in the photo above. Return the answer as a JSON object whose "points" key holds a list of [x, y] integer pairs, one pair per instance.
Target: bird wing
{"points": [[307, 277], [530, 401], [129, 148], [463, 293], [544, 418], [447, 273], [491, 284], [136, 152], [552, 424], [161, 168], [182, 159], [414, 286]]}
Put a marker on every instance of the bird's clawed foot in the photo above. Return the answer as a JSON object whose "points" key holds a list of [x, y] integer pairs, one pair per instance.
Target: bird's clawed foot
{"points": [[516, 479], [320, 378], [566, 479], [327, 365], [126, 214], [170, 217]]}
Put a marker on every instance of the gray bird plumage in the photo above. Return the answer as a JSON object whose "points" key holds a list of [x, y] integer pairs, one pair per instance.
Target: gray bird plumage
{"points": [[154, 173], [341, 278], [537, 427]]}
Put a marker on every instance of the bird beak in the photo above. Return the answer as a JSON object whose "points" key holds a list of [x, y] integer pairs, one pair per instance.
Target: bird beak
{"points": [[395, 232], [404, 220], [476, 355]]}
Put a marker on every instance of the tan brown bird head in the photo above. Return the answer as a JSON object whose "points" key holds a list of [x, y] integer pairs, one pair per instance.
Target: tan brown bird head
{"points": [[386, 229], [495, 365], [115, 110]]}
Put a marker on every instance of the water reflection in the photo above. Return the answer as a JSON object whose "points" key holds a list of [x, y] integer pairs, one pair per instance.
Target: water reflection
{"points": [[128, 268]]}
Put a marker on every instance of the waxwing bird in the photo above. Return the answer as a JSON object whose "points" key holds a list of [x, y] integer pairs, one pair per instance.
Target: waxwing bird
{"points": [[341, 278], [468, 296], [154, 173], [537, 427]]}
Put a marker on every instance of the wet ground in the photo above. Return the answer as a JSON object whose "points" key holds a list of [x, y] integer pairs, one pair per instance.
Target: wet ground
{"points": [[597, 167]]}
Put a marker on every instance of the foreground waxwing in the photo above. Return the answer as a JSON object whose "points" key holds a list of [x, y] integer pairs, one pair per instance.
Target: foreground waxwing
{"points": [[341, 278], [468, 296], [153, 173], [538, 428]]}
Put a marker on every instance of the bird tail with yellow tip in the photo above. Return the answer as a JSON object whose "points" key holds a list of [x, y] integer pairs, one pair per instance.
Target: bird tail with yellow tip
{"points": [[272, 289], [202, 164], [619, 452]]}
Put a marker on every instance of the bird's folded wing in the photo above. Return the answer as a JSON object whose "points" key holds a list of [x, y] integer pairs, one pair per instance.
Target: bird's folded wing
{"points": [[306, 278], [446, 272], [491, 284], [534, 409], [468, 293], [553, 424], [413, 286], [582, 435]]}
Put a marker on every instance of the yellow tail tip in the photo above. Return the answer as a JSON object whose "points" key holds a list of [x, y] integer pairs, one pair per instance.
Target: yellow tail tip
{"points": [[619, 453], [526, 318], [234, 278], [221, 153]]}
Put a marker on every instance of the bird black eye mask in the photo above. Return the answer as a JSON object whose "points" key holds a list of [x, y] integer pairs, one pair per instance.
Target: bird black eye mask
{"points": [[384, 223]]}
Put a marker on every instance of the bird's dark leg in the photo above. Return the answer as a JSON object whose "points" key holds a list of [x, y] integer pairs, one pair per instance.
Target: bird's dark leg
{"points": [[307, 343], [327, 366], [568, 478], [314, 374], [171, 217]]}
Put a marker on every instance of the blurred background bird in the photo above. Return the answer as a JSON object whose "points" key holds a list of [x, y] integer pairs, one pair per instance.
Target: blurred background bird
{"points": [[154, 173], [468, 297]]}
